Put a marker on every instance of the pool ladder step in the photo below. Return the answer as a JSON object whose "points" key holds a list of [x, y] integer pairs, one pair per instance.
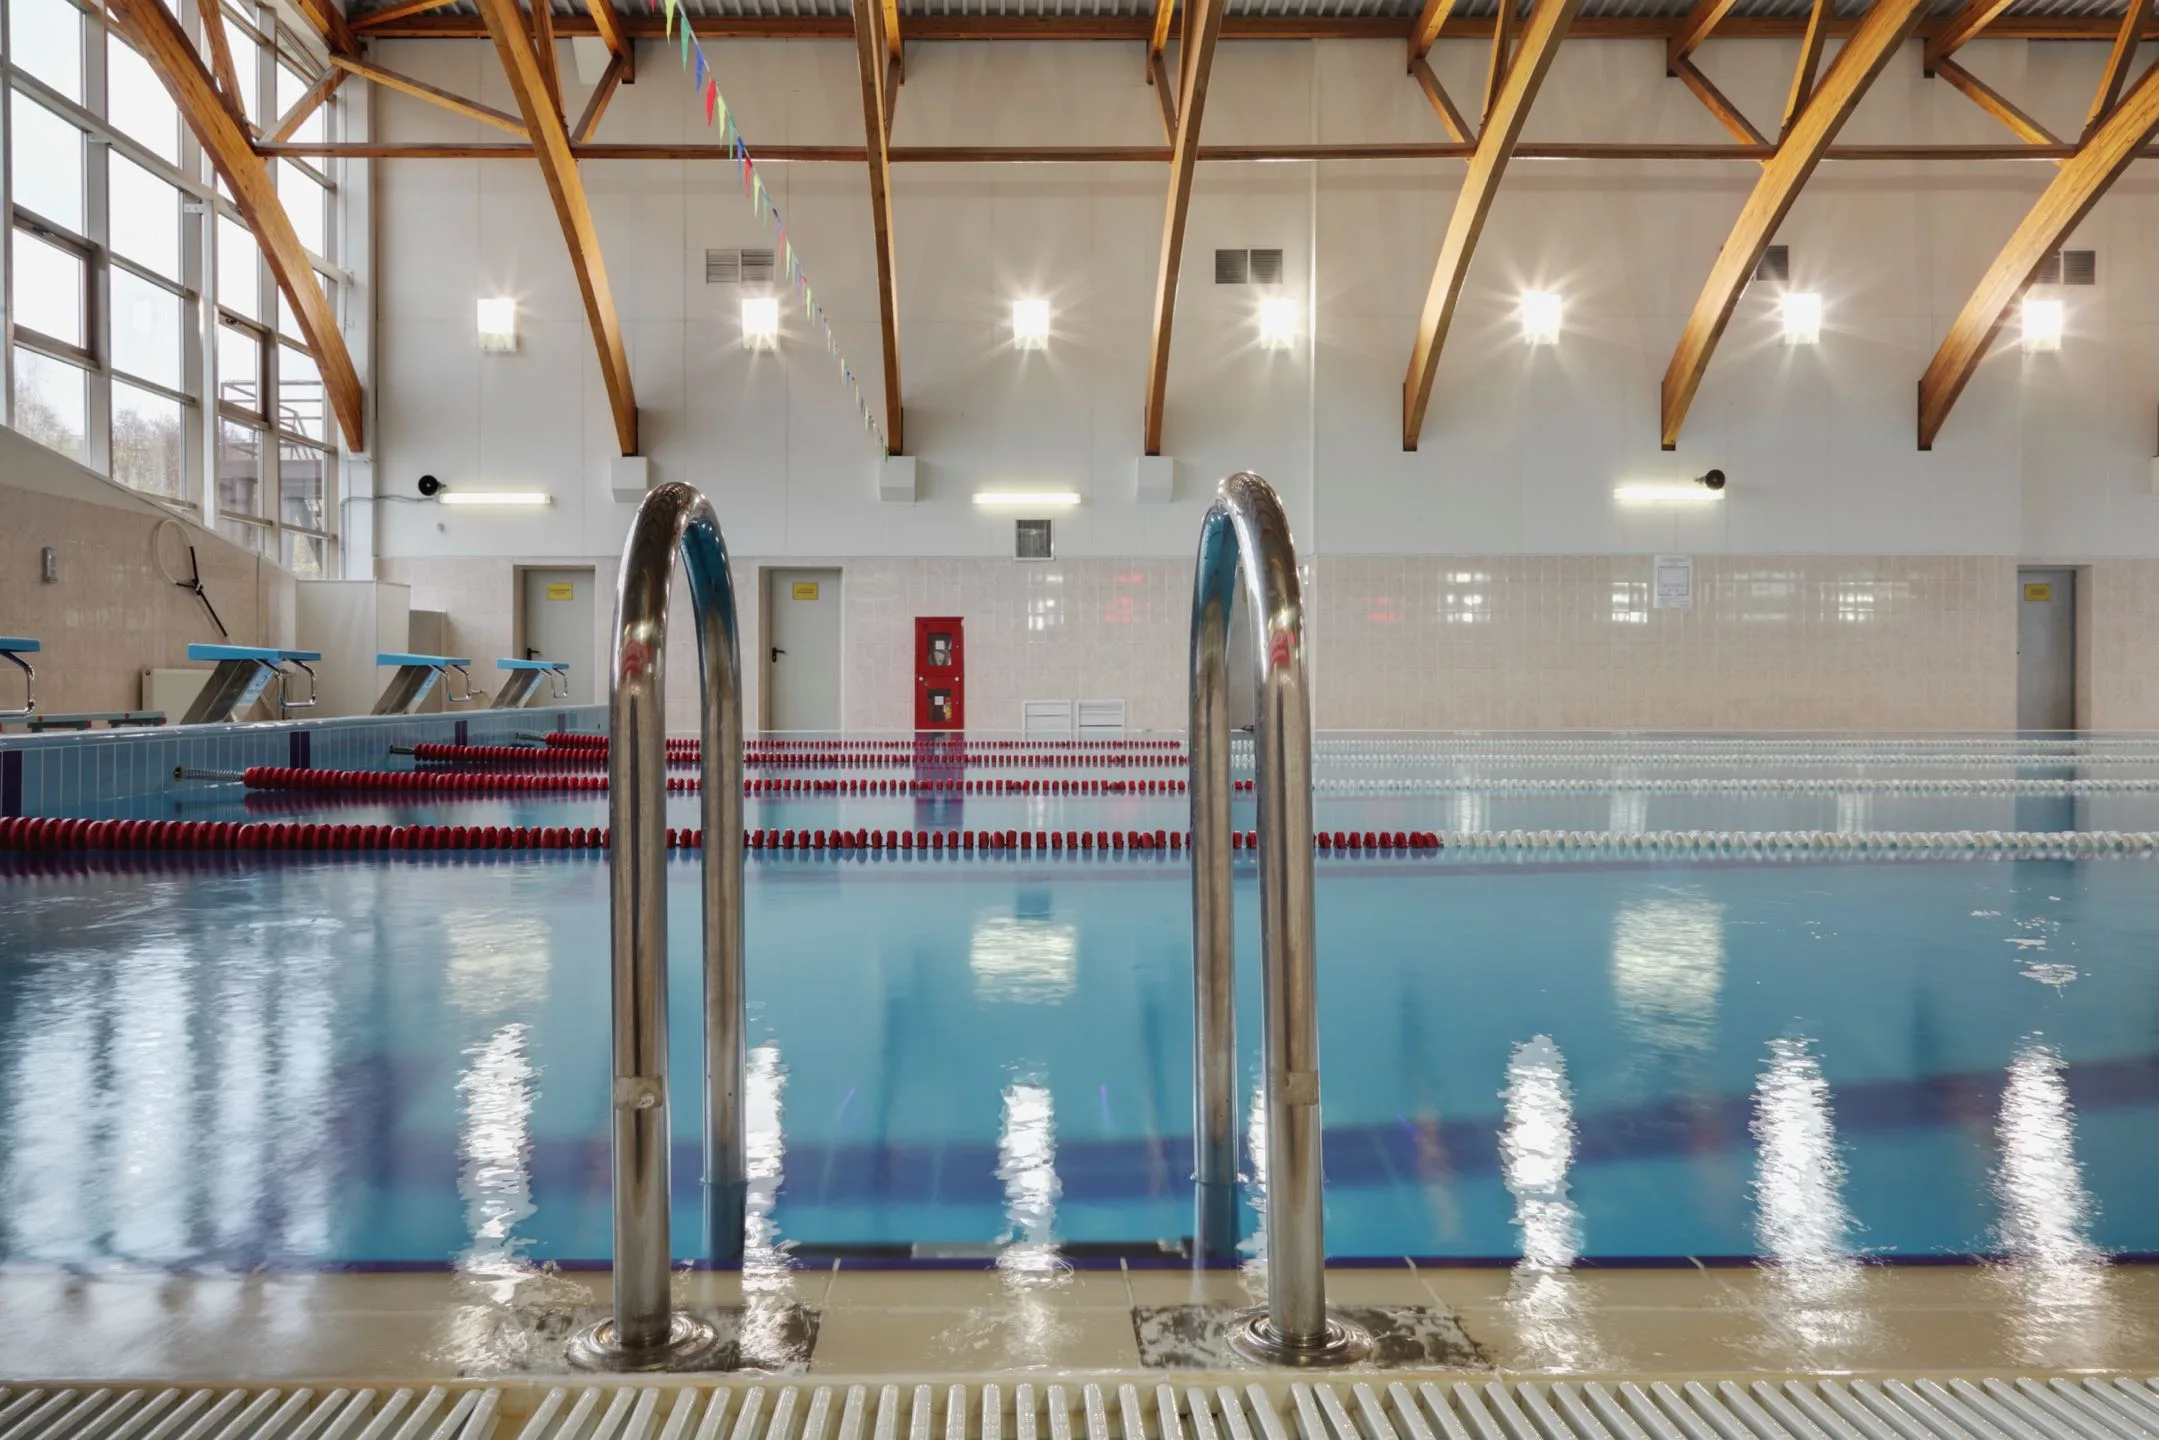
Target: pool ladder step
{"points": [[1048, 1409]]}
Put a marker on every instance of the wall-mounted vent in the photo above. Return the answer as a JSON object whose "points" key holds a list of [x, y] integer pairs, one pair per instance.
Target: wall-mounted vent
{"points": [[1776, 264], [2068, 267], [1032, 540], [738, 267], [1247, 267]]}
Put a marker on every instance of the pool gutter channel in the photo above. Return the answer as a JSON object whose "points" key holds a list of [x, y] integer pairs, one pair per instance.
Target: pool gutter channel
{"points": [[1109, 1406]]}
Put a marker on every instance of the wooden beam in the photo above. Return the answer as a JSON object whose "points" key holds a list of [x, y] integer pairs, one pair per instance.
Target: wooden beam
{"points": [[1718, 104], [597, 106], [2135, 19], [617, 40], [1136, 29], [1158, 76], [421, 90], [871, 54], [329, 22], [1586, 152], [1972, 17], [1158, 37], [1692, 31], [151, 28], [893, 76], [1987, 98], [1442, 103], [1863, 58], [1425, 32], [2076, 187], [220, 47], [1819, 18], [1501, 58], [1206, 31], [551, 146], [316, 97], [390, 14], [892, 30], [543, 50], [1548, 24]]}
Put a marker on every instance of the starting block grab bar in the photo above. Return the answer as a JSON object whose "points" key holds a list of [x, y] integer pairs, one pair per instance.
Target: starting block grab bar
{"points": [[524, 680], [12, 649], [242, 673], [415, 679]]}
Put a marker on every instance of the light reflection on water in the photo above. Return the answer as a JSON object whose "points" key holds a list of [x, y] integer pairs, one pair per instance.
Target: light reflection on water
{"points": [[1553, 1325], [1668, 970], [1023, 959], [2064, 1309], [1811, 1297]]}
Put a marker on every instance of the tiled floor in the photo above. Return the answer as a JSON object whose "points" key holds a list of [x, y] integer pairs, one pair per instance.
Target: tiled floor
{"points": [[1871, 1319]]}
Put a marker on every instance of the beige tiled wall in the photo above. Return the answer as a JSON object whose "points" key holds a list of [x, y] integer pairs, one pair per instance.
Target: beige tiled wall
{"points": [[2118, 645], [112, 613], [1573, 642], [1537, 642]]}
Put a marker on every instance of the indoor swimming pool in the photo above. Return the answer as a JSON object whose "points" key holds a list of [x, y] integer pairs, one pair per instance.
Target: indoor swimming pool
{"points": [[227, 1061]]}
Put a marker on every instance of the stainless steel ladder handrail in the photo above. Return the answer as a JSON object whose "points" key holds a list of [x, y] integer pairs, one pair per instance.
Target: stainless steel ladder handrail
{"points": [[645, 1333], [1246, 532]]}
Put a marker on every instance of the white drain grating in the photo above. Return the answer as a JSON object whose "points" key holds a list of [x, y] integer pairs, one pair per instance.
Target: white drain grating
{"points": [[2090, 1409], [113, 1413]]}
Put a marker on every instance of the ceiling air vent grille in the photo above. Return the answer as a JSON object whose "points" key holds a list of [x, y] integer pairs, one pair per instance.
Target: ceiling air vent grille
{"points": [[1266, 267], [738, 267], [2080, 267], [1231, 267], [1031, 540], [1776, 264]]}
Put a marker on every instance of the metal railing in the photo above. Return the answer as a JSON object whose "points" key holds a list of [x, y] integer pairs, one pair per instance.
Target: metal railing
{"points": [[1246, 533], [645, 1333]]}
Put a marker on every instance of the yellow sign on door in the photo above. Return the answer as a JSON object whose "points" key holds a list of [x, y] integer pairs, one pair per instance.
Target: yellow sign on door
{"points": [[805, 589], [561, 591], [2038, 592]]}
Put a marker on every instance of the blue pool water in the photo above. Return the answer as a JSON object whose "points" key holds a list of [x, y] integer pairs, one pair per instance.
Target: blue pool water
{"points": [[303, 1060]]}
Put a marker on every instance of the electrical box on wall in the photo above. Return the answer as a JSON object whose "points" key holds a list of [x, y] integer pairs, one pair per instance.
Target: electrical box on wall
{"points": [[629, 476], [1154, 479], [896, 480]]}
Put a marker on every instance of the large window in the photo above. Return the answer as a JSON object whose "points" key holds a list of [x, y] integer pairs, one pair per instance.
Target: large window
{"points": [[146, 337]]}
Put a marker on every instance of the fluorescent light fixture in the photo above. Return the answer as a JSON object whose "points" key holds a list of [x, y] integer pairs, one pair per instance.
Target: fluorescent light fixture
{"points": [[1031, 324], [1540, 317], [495, 497], [498, 324], [1277, 322], [2042, 324], [1802, 317], [1666, 492], [760, 321], [1041, 499]]}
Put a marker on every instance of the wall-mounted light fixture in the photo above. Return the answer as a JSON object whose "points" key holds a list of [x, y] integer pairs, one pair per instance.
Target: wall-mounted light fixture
{"points": [[2042, 322], [1031, 324], [1541, 312], [498, 324], [1802, 317], [1707, 490], [760, 321], [1034, 499], [1277, 322]]}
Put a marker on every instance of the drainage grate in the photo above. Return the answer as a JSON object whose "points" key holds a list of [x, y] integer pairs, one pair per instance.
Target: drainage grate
{"points": [[1276, 1409], [87, 1412]]}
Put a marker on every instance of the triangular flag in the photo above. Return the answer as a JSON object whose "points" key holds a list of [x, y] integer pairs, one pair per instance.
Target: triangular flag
{"points": [[685, 42], [712, 98], [700, 81]]}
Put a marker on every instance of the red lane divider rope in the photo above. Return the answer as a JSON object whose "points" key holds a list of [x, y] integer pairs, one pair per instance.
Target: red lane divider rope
{"points": [[458, 782], [41, 834], [842, 755]]}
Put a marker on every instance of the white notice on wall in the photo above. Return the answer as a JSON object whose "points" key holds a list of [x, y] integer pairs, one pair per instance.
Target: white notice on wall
{"points": [[1675, 582]]}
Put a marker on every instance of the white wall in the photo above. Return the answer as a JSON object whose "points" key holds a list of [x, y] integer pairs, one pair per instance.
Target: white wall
{"points": [[2044, 456]]}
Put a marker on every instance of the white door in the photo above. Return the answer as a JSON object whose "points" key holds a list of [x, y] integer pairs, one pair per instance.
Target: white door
{"points": [[559, 626], [2046, 649], [802, 649]]}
